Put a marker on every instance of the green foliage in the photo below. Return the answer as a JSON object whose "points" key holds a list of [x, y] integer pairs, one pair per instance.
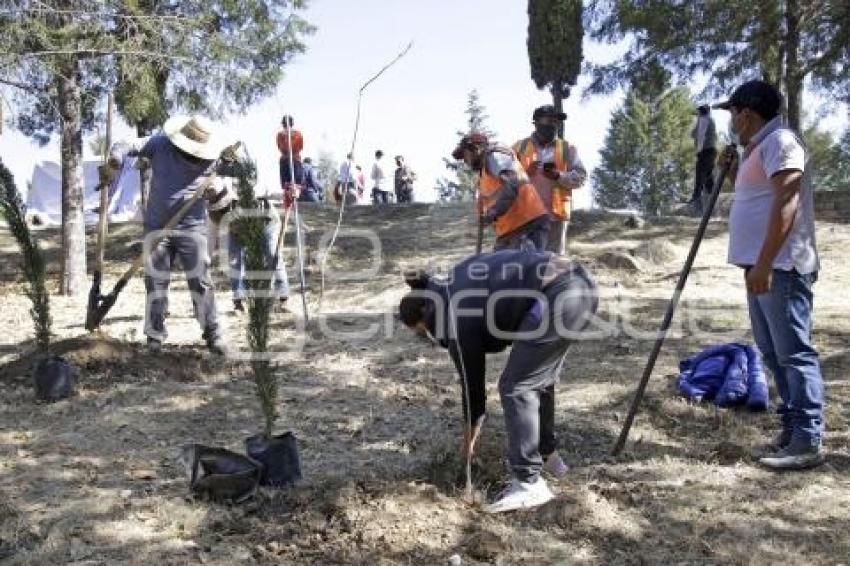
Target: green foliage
{"points": [[648, 158], [212, 56], [12, 210], [784, 42], [555, 35], [240, 59], [829, 159], [328, 170], [248, 230], [819, 144], [465, 183], [839, 172]]}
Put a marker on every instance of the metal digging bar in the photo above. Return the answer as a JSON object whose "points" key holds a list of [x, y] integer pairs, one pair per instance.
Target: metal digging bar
{"points": [[99, 305], [671, 310]]}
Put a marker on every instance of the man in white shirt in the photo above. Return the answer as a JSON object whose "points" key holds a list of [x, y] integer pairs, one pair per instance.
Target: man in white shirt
{"points": [[772, 236], [380, 183]]}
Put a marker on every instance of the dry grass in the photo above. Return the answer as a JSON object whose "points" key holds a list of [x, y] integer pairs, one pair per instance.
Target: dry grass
{"points": [[95, 479]]}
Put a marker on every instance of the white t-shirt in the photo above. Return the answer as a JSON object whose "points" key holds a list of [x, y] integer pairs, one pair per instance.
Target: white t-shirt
{"points": [[379, 177], [779, 150]]}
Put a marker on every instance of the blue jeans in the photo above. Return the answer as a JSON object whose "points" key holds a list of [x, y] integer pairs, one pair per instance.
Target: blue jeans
{"points": [[237, 263], [782, 328]]}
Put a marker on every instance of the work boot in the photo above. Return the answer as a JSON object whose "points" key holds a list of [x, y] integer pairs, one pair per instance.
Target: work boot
{"points": [[154, 345], [794, 457], [780, 441], [521, 495], [238, 306], [555, 466]]}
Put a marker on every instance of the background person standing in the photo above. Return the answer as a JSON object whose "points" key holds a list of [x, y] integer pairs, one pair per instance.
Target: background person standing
{"points": [[403, 181], [380, 192], [282, 140], [705, 139]]}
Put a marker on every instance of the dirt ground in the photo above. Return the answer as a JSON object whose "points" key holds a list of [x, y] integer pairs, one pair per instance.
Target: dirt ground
{"points": [[95, 479]]}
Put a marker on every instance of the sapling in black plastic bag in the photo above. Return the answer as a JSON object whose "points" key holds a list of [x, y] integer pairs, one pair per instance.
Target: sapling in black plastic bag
{"points": [[277, 453], [53, 377]]}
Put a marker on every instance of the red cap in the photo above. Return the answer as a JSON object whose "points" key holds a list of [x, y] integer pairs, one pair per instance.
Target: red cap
{"points": [[472, 140]]}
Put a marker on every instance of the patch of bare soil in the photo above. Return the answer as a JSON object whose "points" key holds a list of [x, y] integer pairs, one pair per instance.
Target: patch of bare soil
{"points": [[95, 479]]}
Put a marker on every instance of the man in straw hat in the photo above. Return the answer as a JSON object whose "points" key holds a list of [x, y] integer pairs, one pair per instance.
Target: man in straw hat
{"points": [[183, 157]]}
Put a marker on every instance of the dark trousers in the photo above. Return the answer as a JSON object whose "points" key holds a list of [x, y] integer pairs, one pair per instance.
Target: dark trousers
{"points": [[404, 194], [286, 176], [532, 236], [557, 238], [191, 249], [704, 177], [527, 384], [380, 197]]}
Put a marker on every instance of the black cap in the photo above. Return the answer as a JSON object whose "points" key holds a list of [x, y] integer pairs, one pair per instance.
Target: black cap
{"points": [[548, 110], [759, 96]]}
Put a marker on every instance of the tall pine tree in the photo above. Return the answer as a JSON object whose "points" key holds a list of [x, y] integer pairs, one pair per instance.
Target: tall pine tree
{"points": [[786, 42], [647, 162], [465, 183], [555, 34]]}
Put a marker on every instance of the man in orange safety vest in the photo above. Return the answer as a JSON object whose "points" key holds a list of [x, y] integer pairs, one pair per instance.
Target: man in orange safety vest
{"points": [[505, 197], [554, 168]]}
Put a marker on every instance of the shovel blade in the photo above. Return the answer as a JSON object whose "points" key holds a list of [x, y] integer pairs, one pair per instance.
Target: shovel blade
{"points": [[97, 312]]}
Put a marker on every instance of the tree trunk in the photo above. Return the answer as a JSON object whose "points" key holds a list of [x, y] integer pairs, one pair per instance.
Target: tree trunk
{"points": [[558, 96], [72, 279], [145, 172], [793, 71]]}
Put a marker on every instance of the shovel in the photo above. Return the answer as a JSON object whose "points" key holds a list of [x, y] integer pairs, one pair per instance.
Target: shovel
{"points": [[99, 305], [105, 181]]}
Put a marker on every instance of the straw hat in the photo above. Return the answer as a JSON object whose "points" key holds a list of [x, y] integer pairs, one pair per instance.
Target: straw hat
{"points": [[195, 135]]}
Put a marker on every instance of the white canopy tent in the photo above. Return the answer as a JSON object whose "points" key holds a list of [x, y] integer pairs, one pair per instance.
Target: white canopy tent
{"points": [[44, 200]]}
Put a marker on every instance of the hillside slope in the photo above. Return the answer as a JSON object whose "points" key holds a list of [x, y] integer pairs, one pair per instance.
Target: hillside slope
{"points": [[377, 413]]}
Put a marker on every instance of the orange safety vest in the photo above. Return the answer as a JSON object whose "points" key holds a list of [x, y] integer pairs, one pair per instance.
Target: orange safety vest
{"points": [[526, 151], [526, 207]]}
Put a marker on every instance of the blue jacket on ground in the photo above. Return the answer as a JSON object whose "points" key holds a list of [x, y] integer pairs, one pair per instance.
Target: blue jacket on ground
{"points": [[728, 374]]}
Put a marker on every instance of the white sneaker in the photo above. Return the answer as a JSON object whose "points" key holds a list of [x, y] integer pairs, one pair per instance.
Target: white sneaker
{"points": [[555, 466], [521, 495]]}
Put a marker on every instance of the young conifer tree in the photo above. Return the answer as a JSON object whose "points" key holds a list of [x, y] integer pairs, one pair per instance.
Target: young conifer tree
{"points": [[12, 210], [248, 230]]}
